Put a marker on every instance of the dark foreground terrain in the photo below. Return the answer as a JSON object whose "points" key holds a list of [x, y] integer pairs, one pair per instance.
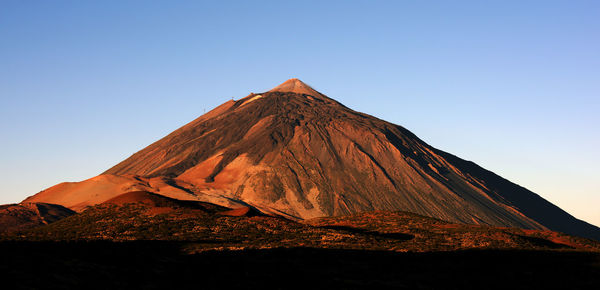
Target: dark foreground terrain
{"points": [[142, 240], [163, 264]]}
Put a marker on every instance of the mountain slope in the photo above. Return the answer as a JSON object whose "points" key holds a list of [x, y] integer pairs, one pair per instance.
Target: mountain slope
{"points": [[297, 153], [23, 216]]}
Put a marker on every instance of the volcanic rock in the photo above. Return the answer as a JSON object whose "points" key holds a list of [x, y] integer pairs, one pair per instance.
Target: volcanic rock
{"points": [[295, 152]]}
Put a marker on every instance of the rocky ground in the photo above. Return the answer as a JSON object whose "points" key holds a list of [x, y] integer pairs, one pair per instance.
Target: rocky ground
{"points": [[161, 244]]}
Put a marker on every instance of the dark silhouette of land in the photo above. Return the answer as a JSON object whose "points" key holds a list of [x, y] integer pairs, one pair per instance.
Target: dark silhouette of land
{"points": [[163, 265]]}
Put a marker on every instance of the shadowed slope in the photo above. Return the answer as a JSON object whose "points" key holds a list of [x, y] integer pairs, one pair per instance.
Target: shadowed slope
{"points": [[154, 200], [28, 215], [529, 203], [161, 204]]}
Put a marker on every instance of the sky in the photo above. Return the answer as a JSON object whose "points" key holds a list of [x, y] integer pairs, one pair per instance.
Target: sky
{"points": [[511, 85]]}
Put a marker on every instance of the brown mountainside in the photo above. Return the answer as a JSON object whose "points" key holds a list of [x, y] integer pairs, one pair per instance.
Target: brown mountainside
{"points": [[295, 152]]}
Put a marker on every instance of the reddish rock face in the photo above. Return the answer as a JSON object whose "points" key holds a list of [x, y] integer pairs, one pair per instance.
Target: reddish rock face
{"points": [[294, 152]]}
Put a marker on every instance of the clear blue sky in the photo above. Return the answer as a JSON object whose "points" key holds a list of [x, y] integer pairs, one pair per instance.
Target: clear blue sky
{"points": [[511, 85]]}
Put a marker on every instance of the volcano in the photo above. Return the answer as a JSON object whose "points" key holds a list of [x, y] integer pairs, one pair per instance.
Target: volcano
{"points": [[297, 153]]}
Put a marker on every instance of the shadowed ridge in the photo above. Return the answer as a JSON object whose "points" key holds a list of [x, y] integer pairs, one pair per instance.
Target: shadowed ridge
{"points": [[153, 200], [529, 203], [156, 200], [242, 211], [144, 197], [28, 215], [47, 211]]}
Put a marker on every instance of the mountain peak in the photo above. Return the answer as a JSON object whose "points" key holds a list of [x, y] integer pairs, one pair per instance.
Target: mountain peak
{"points": [[295, 85], [296, 153]]}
